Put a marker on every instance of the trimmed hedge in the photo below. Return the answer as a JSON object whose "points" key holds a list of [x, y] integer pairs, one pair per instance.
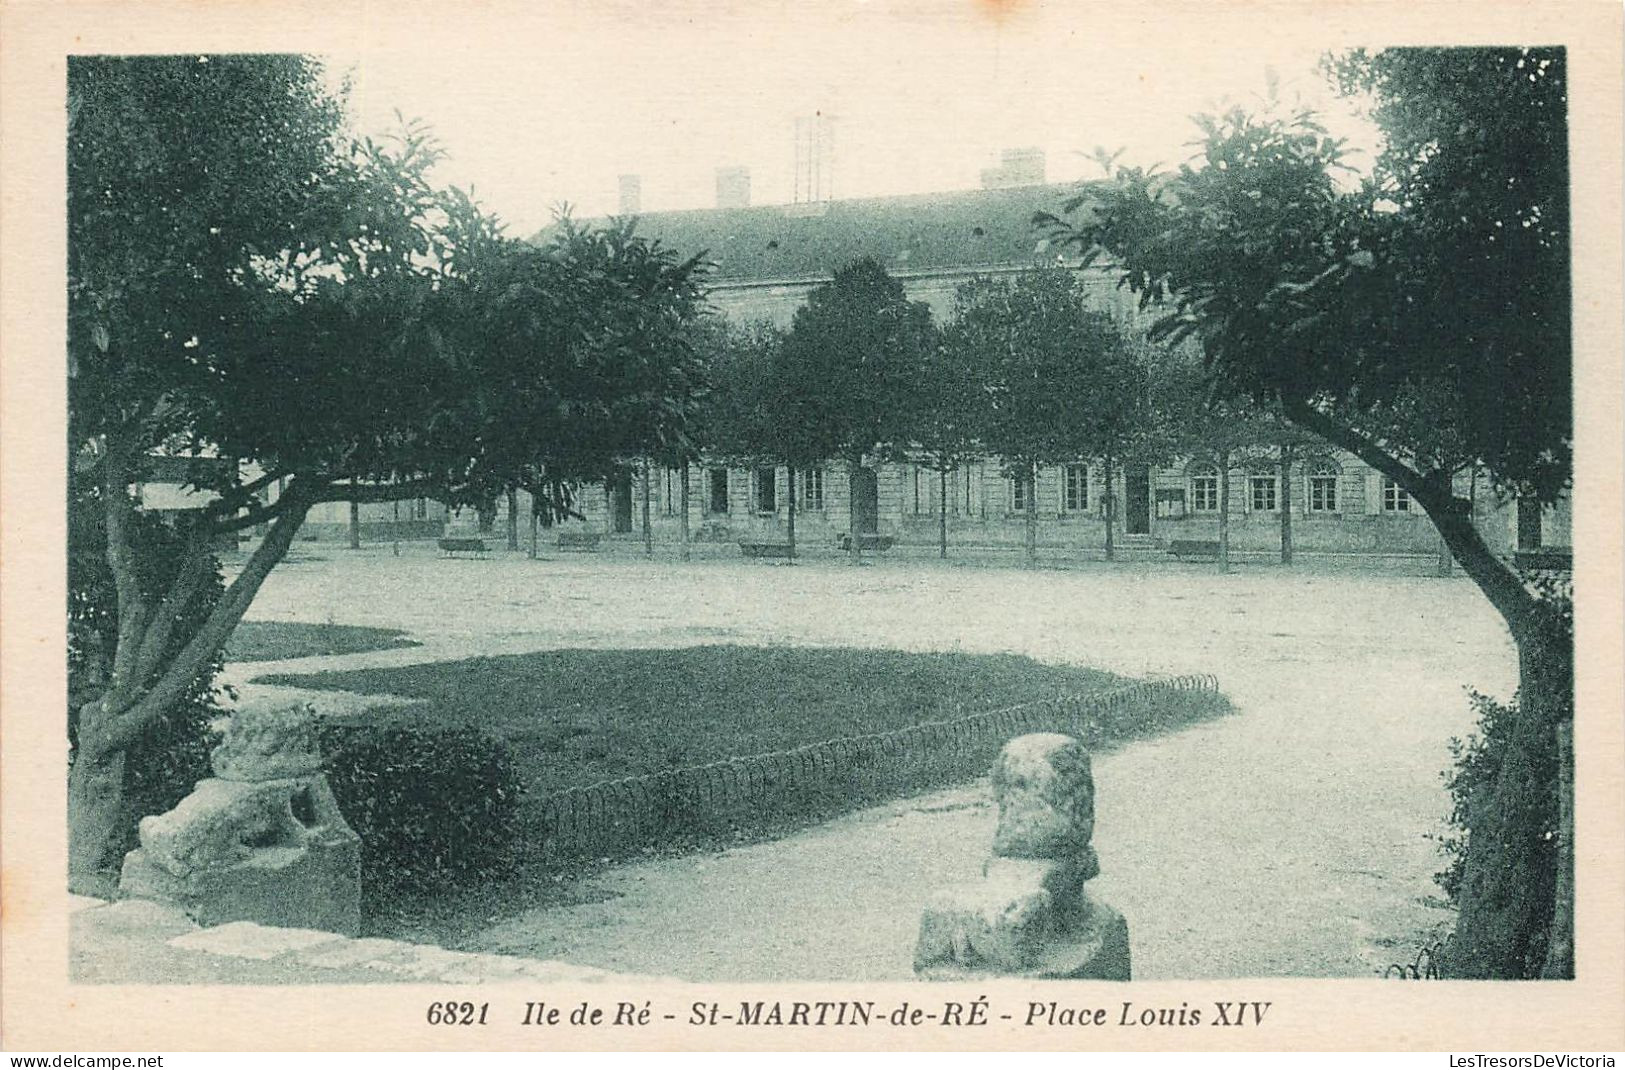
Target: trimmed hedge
{"points": [[433, 807]]}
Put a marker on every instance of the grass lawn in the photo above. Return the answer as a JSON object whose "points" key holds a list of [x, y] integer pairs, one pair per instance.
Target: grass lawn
{"points": [[265, 640], [574, 717], [577, 717]]}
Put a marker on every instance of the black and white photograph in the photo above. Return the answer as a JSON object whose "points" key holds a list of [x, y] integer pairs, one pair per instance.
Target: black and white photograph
{"points": [[929, 524]]}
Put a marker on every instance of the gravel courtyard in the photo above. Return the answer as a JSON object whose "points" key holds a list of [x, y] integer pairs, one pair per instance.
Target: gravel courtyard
{"points": [[1288, 840]]}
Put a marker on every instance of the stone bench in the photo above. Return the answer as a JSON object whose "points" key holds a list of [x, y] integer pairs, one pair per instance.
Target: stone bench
{"points": [[452, 547], [765, 549], [1207, 549], [585, 541], [869, 541], [1544, 560]]}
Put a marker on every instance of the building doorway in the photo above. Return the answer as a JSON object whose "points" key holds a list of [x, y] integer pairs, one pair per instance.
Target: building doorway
{"points": [[1137, 501], [1528, 524], [623, 501], [865, 501]]}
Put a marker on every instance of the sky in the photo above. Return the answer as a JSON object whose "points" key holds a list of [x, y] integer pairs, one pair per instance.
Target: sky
{"points": [[551, 108]]}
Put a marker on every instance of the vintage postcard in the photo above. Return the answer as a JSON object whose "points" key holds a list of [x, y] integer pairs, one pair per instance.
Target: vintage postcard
{"points": [[918, 525]]}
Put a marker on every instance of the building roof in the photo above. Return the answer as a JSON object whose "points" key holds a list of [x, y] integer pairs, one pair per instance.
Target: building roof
{"points": [[920, 233]]}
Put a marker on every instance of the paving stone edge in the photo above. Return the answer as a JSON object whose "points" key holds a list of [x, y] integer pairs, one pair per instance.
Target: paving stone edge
{"points": [[318, 951]]}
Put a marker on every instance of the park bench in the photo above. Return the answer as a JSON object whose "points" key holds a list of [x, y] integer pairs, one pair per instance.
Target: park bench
{"points": [[586, 541], [1207, 549], [1545, 560], [765, 549], [452, 547], [869, 541]]}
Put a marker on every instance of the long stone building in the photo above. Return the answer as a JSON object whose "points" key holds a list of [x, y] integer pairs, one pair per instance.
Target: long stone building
{"points": [[767, 259]]}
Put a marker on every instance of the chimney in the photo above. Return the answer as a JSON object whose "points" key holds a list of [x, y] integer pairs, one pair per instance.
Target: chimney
{"points": [[733, 187], [1017, 167], [631, 194]]}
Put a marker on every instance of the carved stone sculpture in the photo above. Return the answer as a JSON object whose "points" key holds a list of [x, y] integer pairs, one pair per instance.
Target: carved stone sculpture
{"points": [[1030, 914], [261, 841]]}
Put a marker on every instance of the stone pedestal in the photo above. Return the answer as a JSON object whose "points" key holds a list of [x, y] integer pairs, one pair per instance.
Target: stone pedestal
{"points": [[1030, 914], [261, 841]]}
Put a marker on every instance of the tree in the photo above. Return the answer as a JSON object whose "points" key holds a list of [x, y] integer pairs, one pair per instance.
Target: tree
{"points": [[583, 353], [244, 285], [1230, 432], [1441, 286], [851, 361], [1050, 371], [755, 415], [1118, 418], [946, 416]]}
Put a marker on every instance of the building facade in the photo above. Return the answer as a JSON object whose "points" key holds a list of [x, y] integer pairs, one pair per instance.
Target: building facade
{"points": [[768, 258]]}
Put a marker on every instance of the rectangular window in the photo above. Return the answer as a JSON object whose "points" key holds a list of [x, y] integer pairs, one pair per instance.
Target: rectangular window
{"points": [[423, 508], [1394, 497], [1323, 494], [1262, 490], [960, 485], [1170, 503], [719, 491], [1020, 488], [1077, 488], [1205, 493], [767, 490], [812, 489], [925, 491]]}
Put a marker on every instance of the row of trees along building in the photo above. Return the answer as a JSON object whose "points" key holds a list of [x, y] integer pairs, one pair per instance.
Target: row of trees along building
{"points": [[1025, 371]]}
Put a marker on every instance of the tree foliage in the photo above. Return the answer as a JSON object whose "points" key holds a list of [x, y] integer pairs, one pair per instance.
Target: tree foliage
{"points": [[753, 413], [291, 309], [852, 360], [1056, 379]]}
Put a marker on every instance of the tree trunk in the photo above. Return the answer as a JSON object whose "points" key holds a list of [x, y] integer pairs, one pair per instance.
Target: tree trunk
{"points": [[1286, 505], [854, 548], [1559, 963], [95, 819], [683, 527], [1109, 510], [513, 519], [1224, 512], [648, 531], [118, 718], [1032, 515], [942, 513], [790, 525], [535, 528], [355, 522], [1516, 898]]}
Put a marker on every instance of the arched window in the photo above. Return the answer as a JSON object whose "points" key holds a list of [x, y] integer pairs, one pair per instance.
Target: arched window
{"points": [[1204, 480], [1321, 481]]}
